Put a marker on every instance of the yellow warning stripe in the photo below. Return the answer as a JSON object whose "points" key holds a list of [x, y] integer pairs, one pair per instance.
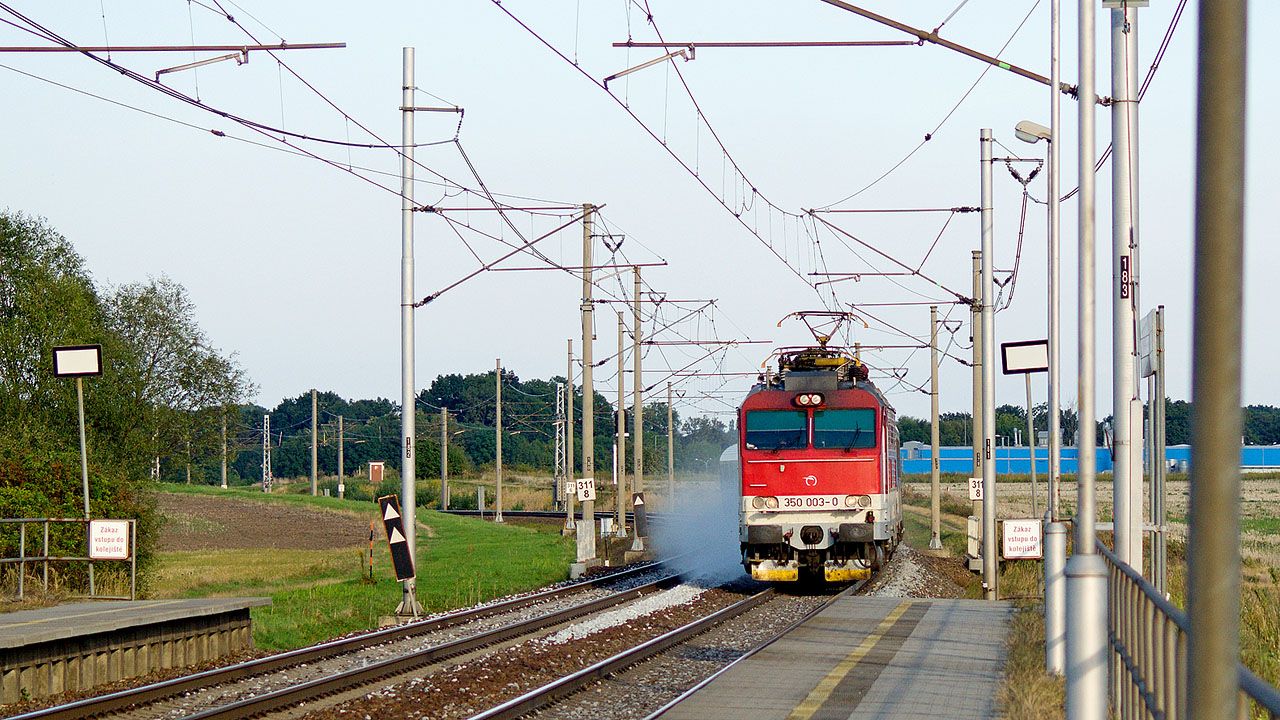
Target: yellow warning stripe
{"points": [[823, 690]]}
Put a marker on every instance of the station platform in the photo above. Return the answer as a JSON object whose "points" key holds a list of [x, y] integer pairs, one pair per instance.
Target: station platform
{"points": [[77, 646], [868, 657]]}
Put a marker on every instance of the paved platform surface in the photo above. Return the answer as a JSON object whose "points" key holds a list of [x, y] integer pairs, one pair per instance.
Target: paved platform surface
{"points": [[29, 627], [869, 657]]}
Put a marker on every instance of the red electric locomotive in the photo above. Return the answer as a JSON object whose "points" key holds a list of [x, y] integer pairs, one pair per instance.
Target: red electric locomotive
{"points": [[819, 469]]}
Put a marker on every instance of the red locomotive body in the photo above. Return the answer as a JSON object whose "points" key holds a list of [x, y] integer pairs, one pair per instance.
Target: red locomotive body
{"points": [[819, 470]]}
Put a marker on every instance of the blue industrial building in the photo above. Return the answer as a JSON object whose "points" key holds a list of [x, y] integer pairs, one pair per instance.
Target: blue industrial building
{"points": [[1016, 460]]}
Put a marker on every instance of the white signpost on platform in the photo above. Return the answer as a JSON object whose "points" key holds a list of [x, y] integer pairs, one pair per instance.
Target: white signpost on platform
{"points": [[79, 362], [109, 539]]}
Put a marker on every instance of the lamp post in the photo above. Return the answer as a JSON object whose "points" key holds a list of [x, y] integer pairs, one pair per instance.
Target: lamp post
{"points": [[1055, 532], [1086, 571]]}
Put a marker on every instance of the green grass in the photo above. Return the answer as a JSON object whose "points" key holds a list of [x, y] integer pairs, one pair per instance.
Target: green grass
{"points": [[319, 594]]}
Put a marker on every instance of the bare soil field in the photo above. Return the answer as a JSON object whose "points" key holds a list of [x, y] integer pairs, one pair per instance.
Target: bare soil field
{"points": [[198, 522]]}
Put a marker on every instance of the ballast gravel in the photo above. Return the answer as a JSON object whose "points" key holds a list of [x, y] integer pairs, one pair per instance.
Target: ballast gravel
{"points": [[470, 687]]}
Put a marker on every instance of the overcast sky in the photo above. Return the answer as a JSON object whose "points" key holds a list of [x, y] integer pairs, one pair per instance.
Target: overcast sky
{"points": [[294, 264]]}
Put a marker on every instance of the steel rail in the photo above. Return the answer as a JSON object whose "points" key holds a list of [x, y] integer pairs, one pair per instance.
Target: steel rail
{"points": [[338, 682], [652, 516], [569, 684], [852, 590], [170, 688]]}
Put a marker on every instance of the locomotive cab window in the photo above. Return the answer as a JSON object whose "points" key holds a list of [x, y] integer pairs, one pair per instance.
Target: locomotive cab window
{"points": [[777, 429], [844, 429]]}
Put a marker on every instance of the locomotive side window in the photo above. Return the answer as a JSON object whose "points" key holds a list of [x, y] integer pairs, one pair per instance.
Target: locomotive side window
{"points": [[844, 429], [777, 429]]}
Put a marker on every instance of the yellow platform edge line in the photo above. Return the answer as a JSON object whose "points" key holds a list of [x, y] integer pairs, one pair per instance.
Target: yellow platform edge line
{"points": [[828, 684]]}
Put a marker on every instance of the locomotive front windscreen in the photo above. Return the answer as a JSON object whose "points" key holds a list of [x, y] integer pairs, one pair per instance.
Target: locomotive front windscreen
{"points": [[844, 429], [777, 429]]}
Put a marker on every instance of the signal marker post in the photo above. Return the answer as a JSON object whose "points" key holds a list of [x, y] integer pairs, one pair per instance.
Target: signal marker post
{"points": [[401, 558]]}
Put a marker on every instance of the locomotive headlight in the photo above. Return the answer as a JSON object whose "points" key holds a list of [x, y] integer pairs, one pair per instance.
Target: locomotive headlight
{"points": [[864, 501], [851, 501], [771, 503], [757, 502], [808, 399]]}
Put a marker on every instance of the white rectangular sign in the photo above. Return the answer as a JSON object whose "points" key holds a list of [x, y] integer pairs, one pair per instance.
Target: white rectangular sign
{"points": [[1027, 356], [975, 488], [1022, 540], [586, 489], [109, 539], [77, 360]]}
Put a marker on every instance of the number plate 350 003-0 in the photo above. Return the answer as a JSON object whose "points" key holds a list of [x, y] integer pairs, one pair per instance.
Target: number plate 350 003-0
{"points": [[811, 502]]}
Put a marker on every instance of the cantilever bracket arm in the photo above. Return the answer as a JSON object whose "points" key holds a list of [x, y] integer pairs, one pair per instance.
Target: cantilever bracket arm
{"points": [[926, 36], [687, 53]]}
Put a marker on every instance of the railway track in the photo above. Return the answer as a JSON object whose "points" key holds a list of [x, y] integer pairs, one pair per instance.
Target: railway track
{"points": [[556, 699], [291, 677]]}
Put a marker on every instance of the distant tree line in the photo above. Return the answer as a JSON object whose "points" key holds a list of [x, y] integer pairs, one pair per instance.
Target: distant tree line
{"points": [[371, 432]]}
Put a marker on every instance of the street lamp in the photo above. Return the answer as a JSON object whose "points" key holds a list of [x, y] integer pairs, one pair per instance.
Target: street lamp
{"points": [[1031, 132]]}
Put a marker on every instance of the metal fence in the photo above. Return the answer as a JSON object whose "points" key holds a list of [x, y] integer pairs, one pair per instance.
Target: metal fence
{"points": [[1148, 638], [44, 558]]}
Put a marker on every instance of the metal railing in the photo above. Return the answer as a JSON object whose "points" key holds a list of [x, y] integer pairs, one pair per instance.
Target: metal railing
{"points": [[44, 558], [1148, 638]]}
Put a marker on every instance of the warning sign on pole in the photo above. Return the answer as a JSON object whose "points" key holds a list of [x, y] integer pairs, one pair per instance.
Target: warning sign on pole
{"points": [[637, 510], [394, 524]]}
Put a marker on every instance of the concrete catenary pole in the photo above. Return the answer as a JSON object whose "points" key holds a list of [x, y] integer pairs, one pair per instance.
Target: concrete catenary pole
{"points": [[224, 448], [637, 403], [989, 564], [1213, 546], [444, 458], [671, 456], [1031, 445], [588, 386], [408, 488], [935, 491], [497, 456], [1055, 536], [1160, 551], [637, 409], [621, 426], [1086, 571], [569, 488], [1126, 420], [342, 466], [975, 331], [314, 444]]}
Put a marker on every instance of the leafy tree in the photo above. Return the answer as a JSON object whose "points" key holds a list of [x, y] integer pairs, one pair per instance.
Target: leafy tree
{"points": [[1177, 422], [171, 376], [1261, 425], [915, 430]]}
